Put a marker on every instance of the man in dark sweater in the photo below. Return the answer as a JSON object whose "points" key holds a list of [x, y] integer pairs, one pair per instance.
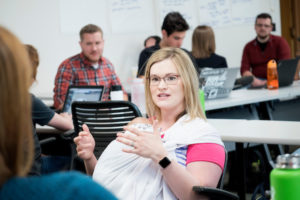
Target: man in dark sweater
{"points": [[173, 32], [263, 48]]}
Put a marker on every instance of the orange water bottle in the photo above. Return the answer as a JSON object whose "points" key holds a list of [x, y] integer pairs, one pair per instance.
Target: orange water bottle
{"points": [[272, 76]]}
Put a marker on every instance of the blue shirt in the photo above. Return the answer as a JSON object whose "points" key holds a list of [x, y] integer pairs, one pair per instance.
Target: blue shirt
{"points": [[60, 186]]}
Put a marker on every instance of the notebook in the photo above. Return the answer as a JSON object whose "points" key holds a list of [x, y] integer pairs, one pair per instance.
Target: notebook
{"points": [[82, 93], [217, 83], [286, 71]]}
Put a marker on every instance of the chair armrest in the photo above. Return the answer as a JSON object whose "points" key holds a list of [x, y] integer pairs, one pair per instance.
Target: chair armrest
{"points": [[68, 135], [215, 193], [47, 140]]}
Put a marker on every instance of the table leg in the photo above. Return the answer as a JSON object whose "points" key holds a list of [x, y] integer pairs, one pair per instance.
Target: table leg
{"points": [[241, 179], [264, 111]]}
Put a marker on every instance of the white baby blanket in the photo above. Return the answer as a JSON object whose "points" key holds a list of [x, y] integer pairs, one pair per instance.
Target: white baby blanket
{"points": [[131, 177]]}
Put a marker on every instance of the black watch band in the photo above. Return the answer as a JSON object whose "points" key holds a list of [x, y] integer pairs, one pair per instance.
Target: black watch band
{"points": [[165, 162]]}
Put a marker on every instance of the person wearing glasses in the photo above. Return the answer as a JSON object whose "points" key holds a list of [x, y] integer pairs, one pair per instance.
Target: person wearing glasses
{"points": [[263, 48], [164, 156]]}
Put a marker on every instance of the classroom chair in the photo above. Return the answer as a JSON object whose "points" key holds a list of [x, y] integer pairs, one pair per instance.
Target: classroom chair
{"points": [[104, 120]]}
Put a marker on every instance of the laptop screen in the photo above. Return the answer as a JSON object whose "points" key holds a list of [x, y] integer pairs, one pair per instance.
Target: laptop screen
{"points": [[286, 71], [82, 93], [217, 83]]}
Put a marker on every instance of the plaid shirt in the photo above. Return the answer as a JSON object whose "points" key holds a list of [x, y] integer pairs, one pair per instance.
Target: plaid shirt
{"points": [[77, 70]]}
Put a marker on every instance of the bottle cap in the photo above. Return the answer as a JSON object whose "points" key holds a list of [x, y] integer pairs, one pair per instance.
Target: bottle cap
{"points": [[272, 63], [116, 87], [288, 161]]}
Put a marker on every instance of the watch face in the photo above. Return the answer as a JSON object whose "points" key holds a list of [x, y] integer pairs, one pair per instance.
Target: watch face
{"points": [[164, 162]]}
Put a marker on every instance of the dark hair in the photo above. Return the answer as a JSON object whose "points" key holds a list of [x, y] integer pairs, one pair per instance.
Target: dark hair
{"points": [[174, 22], [155, 37], [90, 28], [263, 16]]}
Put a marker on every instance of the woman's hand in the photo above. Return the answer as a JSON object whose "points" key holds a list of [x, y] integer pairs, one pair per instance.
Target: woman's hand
{"points": [[85, 143], [145, 144]]}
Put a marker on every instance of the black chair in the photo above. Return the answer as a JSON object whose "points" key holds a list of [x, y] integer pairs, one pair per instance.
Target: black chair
{"points": [[104, 120], [214, 193]]}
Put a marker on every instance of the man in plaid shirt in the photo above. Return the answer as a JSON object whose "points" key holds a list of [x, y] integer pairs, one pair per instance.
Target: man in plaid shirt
{"points": [[87, 68]]}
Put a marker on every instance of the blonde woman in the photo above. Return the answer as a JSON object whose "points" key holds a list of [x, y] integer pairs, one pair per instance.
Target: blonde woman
{"points": [[204, 47], [16, 141], [162, 158]]}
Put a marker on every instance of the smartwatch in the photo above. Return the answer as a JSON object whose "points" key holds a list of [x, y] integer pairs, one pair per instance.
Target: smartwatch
{"points": [[165, 162]]}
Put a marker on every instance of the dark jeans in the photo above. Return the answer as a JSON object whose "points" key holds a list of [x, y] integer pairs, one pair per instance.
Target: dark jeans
{"points": [[55, 163]]}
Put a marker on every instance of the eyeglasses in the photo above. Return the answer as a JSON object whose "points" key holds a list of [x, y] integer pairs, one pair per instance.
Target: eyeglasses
{"points": [[170, 79], [263, 25]]}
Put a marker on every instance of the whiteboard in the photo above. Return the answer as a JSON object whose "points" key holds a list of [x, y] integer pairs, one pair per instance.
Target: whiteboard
{"points": [[53, 28]]}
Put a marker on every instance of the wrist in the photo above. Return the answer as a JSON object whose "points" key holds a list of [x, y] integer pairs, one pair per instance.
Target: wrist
{"points": [[158, 157], [165, 162], [90, 158]]}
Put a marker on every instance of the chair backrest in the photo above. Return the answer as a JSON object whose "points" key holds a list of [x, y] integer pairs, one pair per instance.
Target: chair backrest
{"points": [[104, 119], [221, 181]]}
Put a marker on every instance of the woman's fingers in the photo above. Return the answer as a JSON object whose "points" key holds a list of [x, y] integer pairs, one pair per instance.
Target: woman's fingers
{"points": [[77, 139], [126, 141], [127, 136], [133, 130], [85, 128], [133, 150]]}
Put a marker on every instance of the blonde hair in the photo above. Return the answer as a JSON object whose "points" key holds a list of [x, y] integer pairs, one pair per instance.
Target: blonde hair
{"points": [[189, 78], [16, 141], [34, 58], [203, 42]]}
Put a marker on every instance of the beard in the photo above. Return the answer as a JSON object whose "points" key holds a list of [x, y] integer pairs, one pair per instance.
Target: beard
{"points": [[263, 37]]}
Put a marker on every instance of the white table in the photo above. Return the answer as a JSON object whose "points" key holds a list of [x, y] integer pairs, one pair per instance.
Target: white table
{"points": [[250, 96], [255, 131], [258, 131], [239, 97]]}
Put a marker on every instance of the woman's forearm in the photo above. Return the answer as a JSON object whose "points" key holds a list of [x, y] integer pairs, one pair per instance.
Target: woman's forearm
{"points": [[181, 180]]}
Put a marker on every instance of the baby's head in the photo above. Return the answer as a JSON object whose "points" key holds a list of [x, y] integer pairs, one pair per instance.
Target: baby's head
{"points": [[140, 120]]}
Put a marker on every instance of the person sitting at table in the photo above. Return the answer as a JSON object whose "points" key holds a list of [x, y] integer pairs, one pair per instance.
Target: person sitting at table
{"points": [[173, 32], [43, 115], [16, 146], [169, 154], [265, 47], [89, 67], [204, 47]]}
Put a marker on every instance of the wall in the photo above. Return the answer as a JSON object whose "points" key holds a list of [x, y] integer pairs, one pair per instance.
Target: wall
{"points": [[52, 26]]}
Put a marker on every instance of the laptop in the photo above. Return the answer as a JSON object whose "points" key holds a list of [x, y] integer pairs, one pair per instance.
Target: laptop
{"points": [[217, 83], [82, 93], [286, 71]]}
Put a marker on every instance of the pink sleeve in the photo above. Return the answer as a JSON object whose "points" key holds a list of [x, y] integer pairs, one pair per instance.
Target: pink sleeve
{"points": [[208, 152]]}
